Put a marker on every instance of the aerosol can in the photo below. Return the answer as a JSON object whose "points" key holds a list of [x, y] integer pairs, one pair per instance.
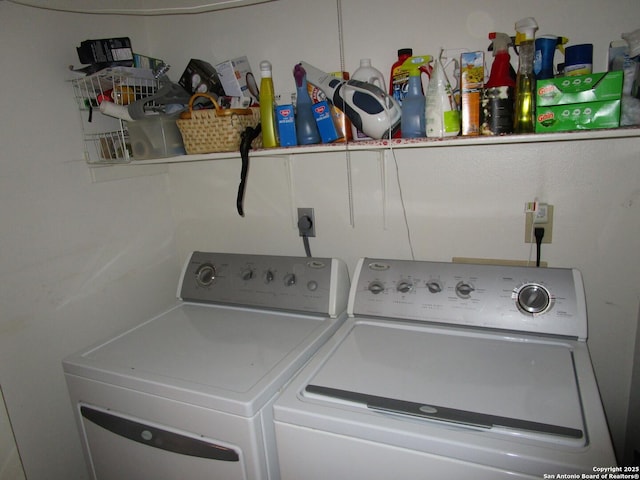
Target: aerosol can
{"points": [[413, 105], [370, 109], [525, 80], [499, 92]]}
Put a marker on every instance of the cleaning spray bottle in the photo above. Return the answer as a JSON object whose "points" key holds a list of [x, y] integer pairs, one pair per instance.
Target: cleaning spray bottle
{"points": [[412, 123], [267, 106], [546, 46], [442, 116], [524, 116], [306, 127], [499, 91]]}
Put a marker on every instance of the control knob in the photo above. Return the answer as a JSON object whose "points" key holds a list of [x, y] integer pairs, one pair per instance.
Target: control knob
{"points": [[376, 287], [533, 298], [247, 274], [404, 286], [205, 274], [434, 286], [289, 279], [268, 276], [464, 289]]}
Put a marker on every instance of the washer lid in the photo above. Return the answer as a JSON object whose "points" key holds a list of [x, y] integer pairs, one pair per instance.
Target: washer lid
{"points": [[228, 358], [507, 383]]}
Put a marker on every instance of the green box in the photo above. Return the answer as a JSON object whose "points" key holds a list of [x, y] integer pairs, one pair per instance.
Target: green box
{"points": [[581, 102], [578, 116], [596, 87]]}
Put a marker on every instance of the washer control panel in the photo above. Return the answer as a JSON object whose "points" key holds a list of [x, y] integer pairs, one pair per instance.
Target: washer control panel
{"points": [[315, 285], [529, 299]]}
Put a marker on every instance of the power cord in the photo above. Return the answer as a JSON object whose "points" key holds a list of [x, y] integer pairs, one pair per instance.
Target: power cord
{"points": [[304, 226], [538, 232]]}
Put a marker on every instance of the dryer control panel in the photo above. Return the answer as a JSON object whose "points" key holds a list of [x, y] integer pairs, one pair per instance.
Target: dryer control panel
{"points": [[528, 299], [313, 285]]}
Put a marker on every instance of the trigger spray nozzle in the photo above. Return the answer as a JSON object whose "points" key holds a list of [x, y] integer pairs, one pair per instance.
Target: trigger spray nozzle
{"points": [[417, 64], [500, 42]]}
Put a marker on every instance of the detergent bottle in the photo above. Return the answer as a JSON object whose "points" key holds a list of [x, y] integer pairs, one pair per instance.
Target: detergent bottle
{"points": [[412, 123], [306, 128], [524, 115], [442, 116], [499, 92], [267, 106], [366, 73], [546, 46]]}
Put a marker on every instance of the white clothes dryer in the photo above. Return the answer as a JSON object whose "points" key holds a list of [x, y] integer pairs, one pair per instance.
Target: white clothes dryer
{"points": [[449, 370], [188, 394]]}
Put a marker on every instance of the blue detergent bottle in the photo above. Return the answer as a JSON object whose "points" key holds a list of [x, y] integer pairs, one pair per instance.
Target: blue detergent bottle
{"points": [[412, 123], [306, 128]]}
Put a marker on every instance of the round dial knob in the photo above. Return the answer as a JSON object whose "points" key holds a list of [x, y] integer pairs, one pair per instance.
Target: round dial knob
{"points": [[464, 289], [533, 298], [247, 274], [434, 286], [205, 274], [268, 276], [289, 279], [404, 286], [376, 287]]}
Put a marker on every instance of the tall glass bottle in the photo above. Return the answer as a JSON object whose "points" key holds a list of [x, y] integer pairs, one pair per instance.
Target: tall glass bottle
{"points": [[524, 115], [267, 107]]}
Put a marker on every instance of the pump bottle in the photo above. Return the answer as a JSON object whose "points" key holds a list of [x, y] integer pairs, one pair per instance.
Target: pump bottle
{"points": [[267, 107], [306, 127], [524, 116], [499, 91]]}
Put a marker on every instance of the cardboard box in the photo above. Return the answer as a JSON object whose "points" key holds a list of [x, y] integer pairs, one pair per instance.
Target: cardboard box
{"points": [[582, 102], [325, 121], [286, 121], [595, 87], [471, 85], [114, 51], [201, 77], [578, 116], [233, 76]]}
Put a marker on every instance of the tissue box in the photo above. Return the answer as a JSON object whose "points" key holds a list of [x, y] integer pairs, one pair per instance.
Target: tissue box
{"points": [[233, 76], [582, 102], [325, 121], [285, 118]]}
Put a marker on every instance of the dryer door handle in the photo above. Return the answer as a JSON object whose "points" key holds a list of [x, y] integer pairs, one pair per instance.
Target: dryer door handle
{"points": [[158, 437]]}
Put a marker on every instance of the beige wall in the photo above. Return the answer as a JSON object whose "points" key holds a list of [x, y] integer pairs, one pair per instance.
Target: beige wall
{"points": [[80, 260]]}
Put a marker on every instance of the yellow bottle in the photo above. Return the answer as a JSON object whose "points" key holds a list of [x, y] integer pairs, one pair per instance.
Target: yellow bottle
{"points": [[267, 107], [524, 111]]}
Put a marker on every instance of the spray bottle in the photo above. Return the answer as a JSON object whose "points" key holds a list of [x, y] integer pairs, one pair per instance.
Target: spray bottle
{"points": [[412, 123], [442, 116], [524, 119], [306, 127], [499, 91], [546, 46]]}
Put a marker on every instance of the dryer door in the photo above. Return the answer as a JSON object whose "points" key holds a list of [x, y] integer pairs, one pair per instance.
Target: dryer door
{"points": [[121, 447]]}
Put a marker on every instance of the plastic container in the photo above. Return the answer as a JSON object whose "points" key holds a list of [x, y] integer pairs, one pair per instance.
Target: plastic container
{"points": [[578, 60], [267, 107], [441, 112], [369, 74], [306, 127], [412, 124], [399, 77], [156, 136], [499, 91], [524, 115]]}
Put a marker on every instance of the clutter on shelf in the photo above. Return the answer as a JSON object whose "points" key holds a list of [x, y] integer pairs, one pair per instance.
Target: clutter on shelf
{"points": [[145, 115]]}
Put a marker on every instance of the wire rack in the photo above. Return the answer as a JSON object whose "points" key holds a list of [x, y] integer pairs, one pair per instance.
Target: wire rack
{"points": [[106, 139]]}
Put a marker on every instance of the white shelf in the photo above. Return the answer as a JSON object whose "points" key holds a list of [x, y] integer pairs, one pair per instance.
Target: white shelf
{"points": [[377, 145]]}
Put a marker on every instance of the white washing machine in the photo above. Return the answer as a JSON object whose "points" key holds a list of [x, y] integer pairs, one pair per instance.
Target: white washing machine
{"points": [[449, 370], [189, 394]]}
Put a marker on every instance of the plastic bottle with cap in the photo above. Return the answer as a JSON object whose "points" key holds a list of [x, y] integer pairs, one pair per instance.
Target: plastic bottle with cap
{"points": [[306, 127], [267, 107], [412, 122], [524, 115], [366, 73], [498, 92]]}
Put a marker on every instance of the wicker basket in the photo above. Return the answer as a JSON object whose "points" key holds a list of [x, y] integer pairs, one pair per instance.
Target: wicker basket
{"points": [[216, 130]]}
